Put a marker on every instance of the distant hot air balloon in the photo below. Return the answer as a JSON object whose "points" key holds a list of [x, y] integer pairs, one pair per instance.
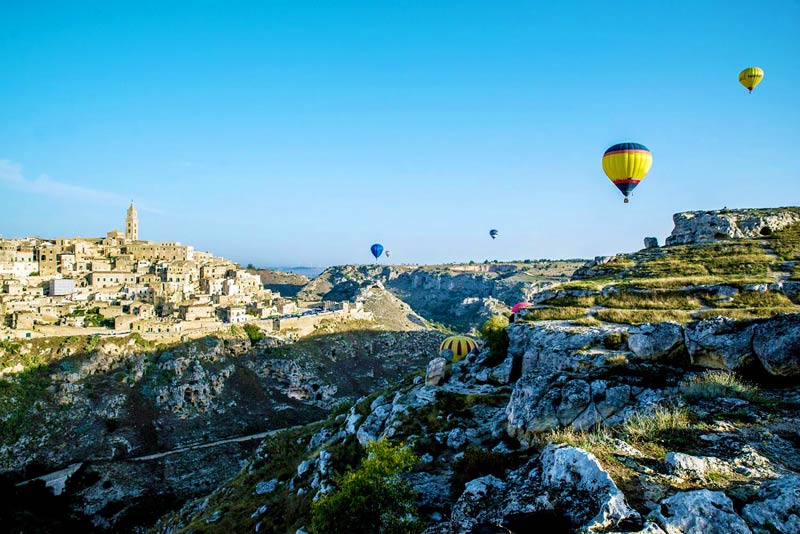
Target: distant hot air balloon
{"points": [[377, 250], [520, 306], [626, 164], [493, 233], [750, 77], [388, 253], [460, 346]]}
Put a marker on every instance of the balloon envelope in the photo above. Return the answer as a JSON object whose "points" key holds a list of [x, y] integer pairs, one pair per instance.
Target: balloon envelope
{"points": [[520, 306], [626, 164], [750, 77], [460, 346], [493, 233], [376, 249]]}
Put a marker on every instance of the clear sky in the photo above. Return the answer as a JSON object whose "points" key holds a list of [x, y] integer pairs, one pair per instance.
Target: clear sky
{"points": [[298, 133]]}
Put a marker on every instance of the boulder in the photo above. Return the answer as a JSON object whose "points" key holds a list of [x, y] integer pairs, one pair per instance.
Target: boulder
{"points": [[709, 512], [479, 503], [654, 341], [720, 343], [686, 465], [776, 508], [563, 486], [545, 402], [708, 226], [776, 343], [436, 372], [574, 480], [650, 242]]}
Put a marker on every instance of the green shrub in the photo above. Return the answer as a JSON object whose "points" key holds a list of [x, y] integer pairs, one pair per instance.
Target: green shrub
{"points": [[253, 332], [372, 498], [494, 332]]}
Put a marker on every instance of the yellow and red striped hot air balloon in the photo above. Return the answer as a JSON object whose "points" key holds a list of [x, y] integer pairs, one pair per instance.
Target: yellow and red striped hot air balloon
{"points": [[626, 164], [459, 345]]}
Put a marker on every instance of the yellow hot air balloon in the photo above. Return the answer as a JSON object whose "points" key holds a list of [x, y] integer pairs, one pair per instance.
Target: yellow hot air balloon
{"points": [[460, 346], [626, 164], [750, 77]]}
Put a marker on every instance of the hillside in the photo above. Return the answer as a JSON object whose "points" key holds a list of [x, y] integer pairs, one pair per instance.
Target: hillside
{"points": [[287, 284], [580, 424], [149, 426], [458, 296]]}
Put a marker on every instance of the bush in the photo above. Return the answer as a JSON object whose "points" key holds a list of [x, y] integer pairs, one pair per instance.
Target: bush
{"points": [[371, 498], [494, 332], [253, 332]]}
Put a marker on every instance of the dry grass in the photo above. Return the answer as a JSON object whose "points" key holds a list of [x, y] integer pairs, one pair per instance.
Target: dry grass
{"points": [[786, 243], [658, 300], [553, 313], [573, 301], [616, 359], [715, 384], [676, 282], [588, 320], [757, 299], [741, 314], [643, 426], [643, 316]]}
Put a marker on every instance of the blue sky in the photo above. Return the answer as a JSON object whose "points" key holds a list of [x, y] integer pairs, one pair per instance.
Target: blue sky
{"points": [[302, 132]]}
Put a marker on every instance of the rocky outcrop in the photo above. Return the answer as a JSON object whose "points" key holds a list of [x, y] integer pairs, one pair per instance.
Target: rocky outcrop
{"points": [[656, 341], [707, 226], [565, 480], [776, 343], [720, 343], [776, 508], [544, 402], [709, 512]]}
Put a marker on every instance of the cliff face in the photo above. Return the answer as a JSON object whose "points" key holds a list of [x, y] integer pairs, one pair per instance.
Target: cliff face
{"points": [[707, 226], [148, 427], [460, 296]]}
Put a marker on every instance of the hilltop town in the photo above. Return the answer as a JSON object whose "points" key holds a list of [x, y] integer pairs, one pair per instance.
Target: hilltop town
{"points": [[119, 284]]}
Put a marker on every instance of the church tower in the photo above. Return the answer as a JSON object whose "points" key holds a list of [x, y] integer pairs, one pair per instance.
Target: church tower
{"points": [[132, 224]]}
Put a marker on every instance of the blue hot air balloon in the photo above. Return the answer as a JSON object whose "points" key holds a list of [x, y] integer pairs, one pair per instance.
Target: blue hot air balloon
{"points": [[377, 250]]}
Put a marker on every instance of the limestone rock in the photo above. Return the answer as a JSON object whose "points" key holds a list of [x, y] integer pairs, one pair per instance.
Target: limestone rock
{"points": [[686, 465], [777, 508], [479, 503], [720, 343], [436, 372], [650, 242], [655, 340], [572, 475], [776, 343], [707, 226], [709, 512]]}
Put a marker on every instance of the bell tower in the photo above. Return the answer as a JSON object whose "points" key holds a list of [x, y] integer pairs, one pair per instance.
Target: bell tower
{"points": [[132, 224]]}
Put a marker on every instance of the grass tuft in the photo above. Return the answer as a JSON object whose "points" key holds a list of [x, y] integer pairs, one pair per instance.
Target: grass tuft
{"points": [[716, 384]]}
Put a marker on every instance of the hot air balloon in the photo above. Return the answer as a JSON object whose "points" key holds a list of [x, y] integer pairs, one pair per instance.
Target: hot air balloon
{"points": [[750, 77], [388, 253], [460, 346], [493, 233], [520, 306], [377, 250], [626, 164]]}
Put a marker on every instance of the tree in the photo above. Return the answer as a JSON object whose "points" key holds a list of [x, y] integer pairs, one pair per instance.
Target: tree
{"points": [[371, 499], [494, 332]]}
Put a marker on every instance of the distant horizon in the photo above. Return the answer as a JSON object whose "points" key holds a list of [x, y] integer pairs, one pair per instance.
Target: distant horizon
{"points": [[300, 134]]}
